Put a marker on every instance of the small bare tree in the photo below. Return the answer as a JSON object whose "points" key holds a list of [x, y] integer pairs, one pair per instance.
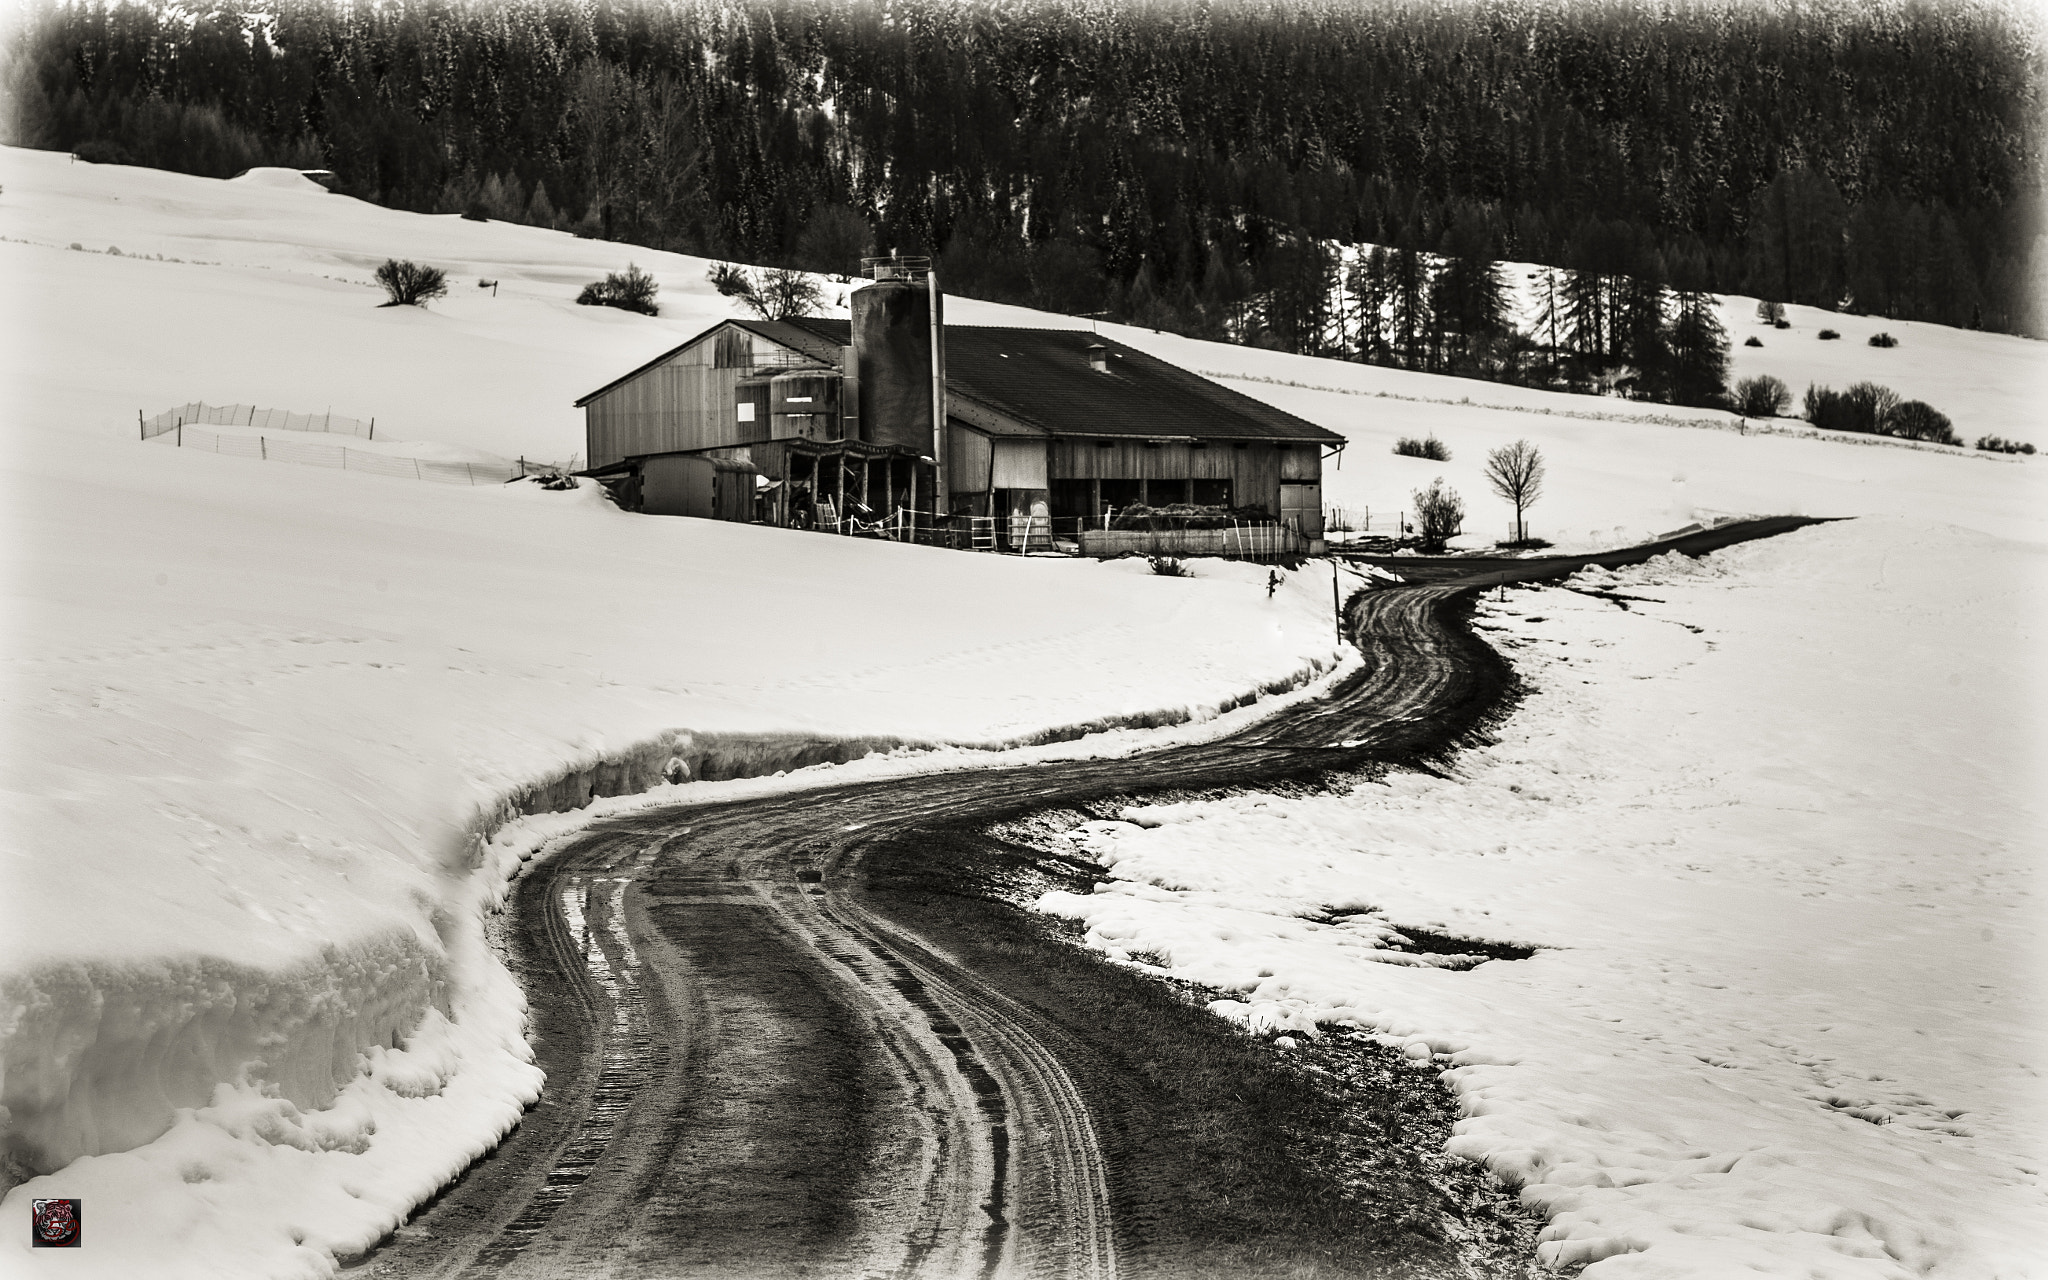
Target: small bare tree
{"points": [[1516, 473], [779, 293], [1439, 515], [408, 284]]}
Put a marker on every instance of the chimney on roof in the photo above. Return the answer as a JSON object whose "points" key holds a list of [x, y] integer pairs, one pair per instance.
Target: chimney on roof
{"points": [[1098, 357]]}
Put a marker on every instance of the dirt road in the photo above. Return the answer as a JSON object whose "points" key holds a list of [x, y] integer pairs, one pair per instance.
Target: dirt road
{"points": [[759, 1067]]}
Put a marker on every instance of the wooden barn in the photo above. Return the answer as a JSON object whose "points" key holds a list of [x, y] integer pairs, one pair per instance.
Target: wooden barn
{"points": [[815, 423]]}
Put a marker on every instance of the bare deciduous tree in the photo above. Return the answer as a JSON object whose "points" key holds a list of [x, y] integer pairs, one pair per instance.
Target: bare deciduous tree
{"points": [[1516, 473], [780, 294], [1439, 515]]}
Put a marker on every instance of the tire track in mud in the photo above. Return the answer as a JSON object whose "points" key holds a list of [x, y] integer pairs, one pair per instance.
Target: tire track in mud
{"points": [[752, 1072]]}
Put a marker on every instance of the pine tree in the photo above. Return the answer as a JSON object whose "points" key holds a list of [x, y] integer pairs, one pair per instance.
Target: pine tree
{"points": [[1698, 347], [540, 211], [1408, 301], [1370, 284]]}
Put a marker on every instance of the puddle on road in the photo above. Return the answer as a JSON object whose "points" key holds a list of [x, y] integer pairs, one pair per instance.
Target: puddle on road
{"points": [[628, 1060]]}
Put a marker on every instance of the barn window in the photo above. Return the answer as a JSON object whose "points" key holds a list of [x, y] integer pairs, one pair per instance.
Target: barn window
{"points": [[746, 411]]}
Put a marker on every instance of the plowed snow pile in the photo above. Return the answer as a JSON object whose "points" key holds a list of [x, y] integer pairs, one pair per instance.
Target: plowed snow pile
{"points": [[1773, 822]]}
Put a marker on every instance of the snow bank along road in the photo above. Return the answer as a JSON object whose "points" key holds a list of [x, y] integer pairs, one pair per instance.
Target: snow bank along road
{"points": [[753, 1069]]}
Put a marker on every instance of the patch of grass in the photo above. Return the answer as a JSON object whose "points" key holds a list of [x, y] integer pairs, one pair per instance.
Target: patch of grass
{"points": [[1168, 566]]}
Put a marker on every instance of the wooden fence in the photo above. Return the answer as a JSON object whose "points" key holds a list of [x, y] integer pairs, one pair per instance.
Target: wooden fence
{"points": [[248, 415]]}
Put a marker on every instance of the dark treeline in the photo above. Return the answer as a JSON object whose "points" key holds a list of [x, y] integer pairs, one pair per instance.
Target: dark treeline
{"points": [[1177, 164]]}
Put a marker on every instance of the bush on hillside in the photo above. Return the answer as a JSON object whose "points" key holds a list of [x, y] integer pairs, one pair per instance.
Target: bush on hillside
{"points": [[1761, 397], [1752, 341], [1781, 324], [1827, 334], [409, 284], [1429, 447], [1774, 312], [1999, 444], [1439, 516], [1918, 420], [633, 290], [729, 280], [1168, 567], [476, 211], [1883, 340]]}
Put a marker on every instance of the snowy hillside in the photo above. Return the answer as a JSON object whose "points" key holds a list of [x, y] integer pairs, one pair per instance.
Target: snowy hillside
{"points": [[266, 718]]}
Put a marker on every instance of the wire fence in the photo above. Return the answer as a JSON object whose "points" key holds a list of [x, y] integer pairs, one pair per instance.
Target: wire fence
{"points": [[248, 415], [343, 458]]}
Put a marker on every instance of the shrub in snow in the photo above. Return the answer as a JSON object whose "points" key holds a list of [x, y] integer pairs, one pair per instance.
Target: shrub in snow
{"points": [[1752, 341], [1826, 334], [1999, 444], [1429, 447], [1439, 515], [1883, 340], [409, 284], [1860, 408], [474, 211], [632, 290], [1774, 312], [1918, 420], [729, 280], [1762, 396], [1781, 324], [1168, 567]]}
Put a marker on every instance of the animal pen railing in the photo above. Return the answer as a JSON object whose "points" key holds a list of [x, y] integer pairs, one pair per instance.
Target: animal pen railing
{"points": [[272, 448]]}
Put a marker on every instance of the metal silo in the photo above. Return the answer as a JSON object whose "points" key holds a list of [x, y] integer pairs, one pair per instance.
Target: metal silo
{"points": [[894, 325]]}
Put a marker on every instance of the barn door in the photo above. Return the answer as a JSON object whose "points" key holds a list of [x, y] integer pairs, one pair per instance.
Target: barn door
{"points": [[1301, 509]]}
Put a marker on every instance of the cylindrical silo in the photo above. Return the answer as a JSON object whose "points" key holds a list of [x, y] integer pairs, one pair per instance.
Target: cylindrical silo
{"points": [[892, 349]]}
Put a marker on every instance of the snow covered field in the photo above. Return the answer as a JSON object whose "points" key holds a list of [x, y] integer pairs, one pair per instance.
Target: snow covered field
{"points": [[261, 715], [1773, 820], [262, 719]]}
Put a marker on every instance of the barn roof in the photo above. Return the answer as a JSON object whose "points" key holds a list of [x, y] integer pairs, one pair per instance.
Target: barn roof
{"points": [[1041, 378]]}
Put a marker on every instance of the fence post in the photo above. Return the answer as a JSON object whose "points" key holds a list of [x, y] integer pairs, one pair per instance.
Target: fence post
{"points": [[416, 470], [373, 429], [472, 474], [142, 430], [181, 433], [263, 447]]}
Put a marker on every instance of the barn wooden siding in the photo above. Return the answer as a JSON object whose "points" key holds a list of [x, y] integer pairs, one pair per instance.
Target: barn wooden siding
{"points": [[688, 402], [1255, 471]]}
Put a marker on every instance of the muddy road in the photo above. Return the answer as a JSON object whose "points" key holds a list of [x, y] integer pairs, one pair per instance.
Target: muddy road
{"points": [[761, 1065]]}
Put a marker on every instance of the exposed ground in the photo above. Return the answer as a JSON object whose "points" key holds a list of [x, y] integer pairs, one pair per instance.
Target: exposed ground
{"points": [[813, 1034]]}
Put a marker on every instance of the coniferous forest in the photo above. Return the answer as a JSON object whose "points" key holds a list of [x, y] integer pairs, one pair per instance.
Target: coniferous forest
{"points": [[1174, 163]]}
